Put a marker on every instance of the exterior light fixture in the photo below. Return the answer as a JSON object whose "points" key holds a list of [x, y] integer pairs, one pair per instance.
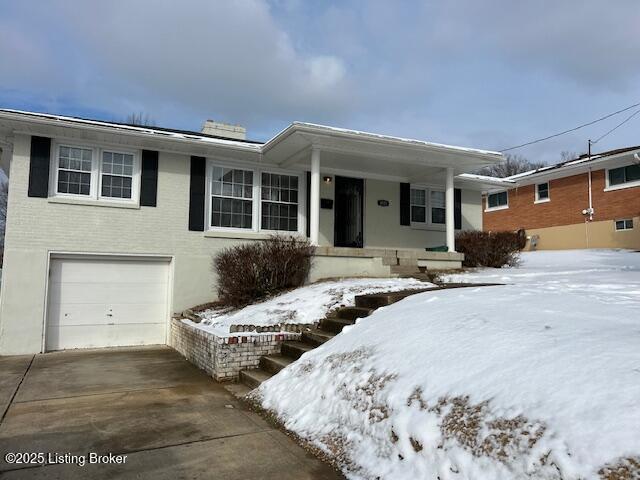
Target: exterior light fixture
{"points": [[327, 180]]}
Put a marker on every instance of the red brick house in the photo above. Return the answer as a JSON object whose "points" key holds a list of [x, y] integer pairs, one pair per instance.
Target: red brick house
{"points": [[589, 202]]}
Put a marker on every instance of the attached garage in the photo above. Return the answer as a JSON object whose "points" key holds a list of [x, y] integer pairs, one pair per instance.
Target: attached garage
{"points": [[103, 301]]}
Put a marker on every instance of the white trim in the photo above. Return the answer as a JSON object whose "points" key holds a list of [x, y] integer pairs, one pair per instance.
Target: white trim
{"points": [[536, 194], [62, 254], [499, 207], [94, 197], [256, 200]]}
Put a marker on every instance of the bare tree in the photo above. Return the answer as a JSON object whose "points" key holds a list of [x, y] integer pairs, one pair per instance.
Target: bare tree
{"points": [[512, 165], [567, 155], [141, 119]]}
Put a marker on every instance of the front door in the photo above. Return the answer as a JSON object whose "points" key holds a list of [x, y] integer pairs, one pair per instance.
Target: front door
{"points": [[348, 208]]}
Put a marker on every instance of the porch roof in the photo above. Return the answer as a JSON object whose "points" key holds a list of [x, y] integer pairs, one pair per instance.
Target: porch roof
{"points": [[368, 152]]}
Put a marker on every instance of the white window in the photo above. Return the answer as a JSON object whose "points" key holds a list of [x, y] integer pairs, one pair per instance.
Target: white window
{"points": [[438, 202], [418, 205], [253, 200], [75, 165], [117, 175], [232, 198], [497, 201], [542, 192], [626, 224], [428, 207], [95, 173], [629, 174], [279, 205]]}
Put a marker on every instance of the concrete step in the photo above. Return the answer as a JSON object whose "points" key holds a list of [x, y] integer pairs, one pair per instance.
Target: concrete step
{"points": [[404, 269], [316, 336], [335, 325], [274, 363], [253, 378], [351, 313], [376, 300], [295, 350]]}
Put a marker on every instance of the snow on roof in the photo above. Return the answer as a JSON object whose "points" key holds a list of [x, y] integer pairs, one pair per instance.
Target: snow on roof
{"points": [[486, 178], [153, 130], [397, 139], [582, 159]]}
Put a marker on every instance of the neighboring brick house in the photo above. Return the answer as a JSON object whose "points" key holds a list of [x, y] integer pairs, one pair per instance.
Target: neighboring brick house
{"points": [[589, 202]]}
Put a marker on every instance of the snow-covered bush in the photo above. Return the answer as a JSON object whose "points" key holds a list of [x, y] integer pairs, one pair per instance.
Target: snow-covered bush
{"points": [[490, 249], [253, 271]]}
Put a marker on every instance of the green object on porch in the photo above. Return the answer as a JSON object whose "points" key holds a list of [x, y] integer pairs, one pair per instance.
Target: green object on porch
{"points": [[439, 248]]}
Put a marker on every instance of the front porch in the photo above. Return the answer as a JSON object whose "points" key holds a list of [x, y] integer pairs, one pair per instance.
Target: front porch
{"points": [[381, 201]]}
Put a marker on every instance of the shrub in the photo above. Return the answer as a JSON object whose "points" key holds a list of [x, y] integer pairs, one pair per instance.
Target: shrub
{"points": [[253, 271], [490, 249]]}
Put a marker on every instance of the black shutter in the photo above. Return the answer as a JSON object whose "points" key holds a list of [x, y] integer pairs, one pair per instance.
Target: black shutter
{"points": [[149, 178], [457, 208], [405, 205], [196, 194], [39, 167]]}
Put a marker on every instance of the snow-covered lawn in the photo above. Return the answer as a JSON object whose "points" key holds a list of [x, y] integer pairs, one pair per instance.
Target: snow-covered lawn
{"points": [[303, 305], [536, 379]]}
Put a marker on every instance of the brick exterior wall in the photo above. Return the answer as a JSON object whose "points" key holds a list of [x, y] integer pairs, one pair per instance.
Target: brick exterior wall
{"points": [[224, 357], [569, 196]]}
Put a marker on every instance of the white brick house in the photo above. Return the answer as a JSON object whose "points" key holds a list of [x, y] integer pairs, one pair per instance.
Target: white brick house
{"points": [[111, 227]]}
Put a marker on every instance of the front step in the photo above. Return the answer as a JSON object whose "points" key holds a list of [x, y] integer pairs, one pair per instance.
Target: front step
{"points": [[274, 363], [294, 349], [317, 337], [377, 300], [253, 378], [351, 313], [335, 325]]}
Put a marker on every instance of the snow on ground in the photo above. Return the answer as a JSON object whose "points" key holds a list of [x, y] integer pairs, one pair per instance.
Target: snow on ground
{"points": [[536, 379], [307, 304]]}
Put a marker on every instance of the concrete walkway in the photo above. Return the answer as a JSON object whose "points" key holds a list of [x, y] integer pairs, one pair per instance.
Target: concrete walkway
{"points": [[170, 419]]}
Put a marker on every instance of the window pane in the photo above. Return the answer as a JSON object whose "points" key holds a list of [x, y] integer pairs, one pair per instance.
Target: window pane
{"points": [[616, 176], [543, 191], [437, 199], [230, 212], [620, 225], [280, 198], [629, 224], [632, 173], [418, 214], [418, 197], [497, 199], [438, 215]]}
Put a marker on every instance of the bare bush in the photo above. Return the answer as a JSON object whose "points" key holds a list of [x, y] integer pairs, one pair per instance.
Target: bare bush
{"points": [[490, 249], [254, 271]]}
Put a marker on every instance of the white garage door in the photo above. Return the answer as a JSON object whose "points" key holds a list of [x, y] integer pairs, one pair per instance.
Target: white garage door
{"points": [[104, 302]]}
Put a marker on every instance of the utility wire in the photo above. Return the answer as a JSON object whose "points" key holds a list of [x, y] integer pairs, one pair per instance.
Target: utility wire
{"points": [[577, 128], [617, 126]]}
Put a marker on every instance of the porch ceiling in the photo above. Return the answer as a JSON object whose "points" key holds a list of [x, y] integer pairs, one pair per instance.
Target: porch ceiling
{"points": [[364, 152]]}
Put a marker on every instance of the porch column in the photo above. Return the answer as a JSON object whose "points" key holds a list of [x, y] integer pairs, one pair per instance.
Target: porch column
{"points": [[449, 211], [314, 195]]}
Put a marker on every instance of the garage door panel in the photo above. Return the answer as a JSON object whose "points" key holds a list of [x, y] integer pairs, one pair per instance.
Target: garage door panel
{"points": [[92, 336], [89, 271], [97, 302], [105, 293], [96, 314]]}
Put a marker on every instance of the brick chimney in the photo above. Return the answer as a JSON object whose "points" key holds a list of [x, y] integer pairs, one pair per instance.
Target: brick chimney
{"points": [[226, 130]]}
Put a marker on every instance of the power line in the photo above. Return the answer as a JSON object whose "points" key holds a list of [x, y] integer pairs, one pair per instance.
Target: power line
{"points": [[576, 128], [617, 126]]}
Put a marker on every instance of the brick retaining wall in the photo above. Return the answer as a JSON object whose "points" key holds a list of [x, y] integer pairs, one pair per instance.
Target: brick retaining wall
{"points": [[224, 357]]}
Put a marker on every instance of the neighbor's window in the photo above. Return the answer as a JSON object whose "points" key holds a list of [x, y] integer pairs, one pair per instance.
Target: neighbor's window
{"points": [[117, 174], [622, 175], [542, 192], [279, 202], [232, 198], [437, 199], [74, 170], [418, 205], [497, 200], [626, 224]]}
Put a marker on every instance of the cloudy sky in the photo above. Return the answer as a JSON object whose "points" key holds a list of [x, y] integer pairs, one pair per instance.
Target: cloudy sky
{"points": [[489, 74]]}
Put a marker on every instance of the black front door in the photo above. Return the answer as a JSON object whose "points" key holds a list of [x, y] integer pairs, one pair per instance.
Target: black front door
{"points": [[348, 208]]}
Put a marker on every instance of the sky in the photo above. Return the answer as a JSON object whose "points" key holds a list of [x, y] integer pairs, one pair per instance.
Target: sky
{"points": [[490, 74]]}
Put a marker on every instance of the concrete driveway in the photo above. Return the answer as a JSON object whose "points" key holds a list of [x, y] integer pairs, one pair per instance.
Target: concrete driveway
{"points": [[169, 419]]}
